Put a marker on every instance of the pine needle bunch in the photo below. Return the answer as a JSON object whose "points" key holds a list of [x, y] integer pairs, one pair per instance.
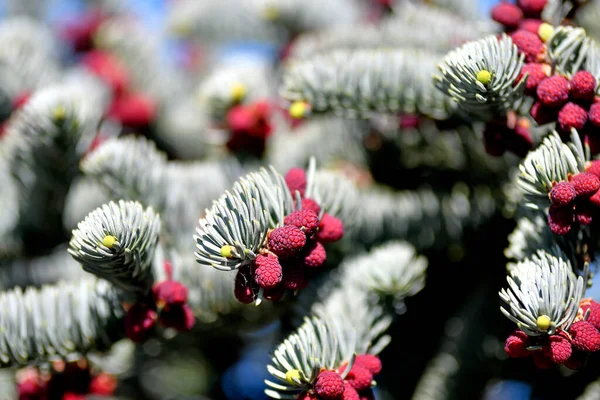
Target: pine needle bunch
{"points": [[116, 242], [530, 235], [300, 16], [553, 161], [402, 214], [556, 294], [218, 22], [361, 82], [58, 321], [405, 29], [241, 219], [129, 168], [392, 269], [359, 322], [43, 144], [296, 363], [28, 60], [483, 94], [571, 50], [44, 270], [133, 168]]}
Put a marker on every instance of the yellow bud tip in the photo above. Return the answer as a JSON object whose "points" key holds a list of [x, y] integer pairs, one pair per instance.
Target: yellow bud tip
{"points": [[227, 251], [238, 92], [545, 31], [109, 241], [298, 110], [59, 113], [543, 322], [291, 375], [182, 28], [484, 76], [271, 13]]}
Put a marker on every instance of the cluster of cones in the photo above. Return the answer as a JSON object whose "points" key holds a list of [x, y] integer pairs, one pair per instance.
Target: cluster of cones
{"points": [[569, 348], [65, 381], [131, 108], [166, 304], [248, 124], [292, 252], [330, 385], [574, 201], [567, 103]]}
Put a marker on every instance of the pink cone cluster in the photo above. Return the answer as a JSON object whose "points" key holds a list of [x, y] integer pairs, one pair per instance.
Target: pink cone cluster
{"points": [[571, 104], [166, 304], [131, 108], [65, 381], [567, 103], [293, 251], [569, 348], [525, 15], [250, 126], [574, 201], [355, 386]]}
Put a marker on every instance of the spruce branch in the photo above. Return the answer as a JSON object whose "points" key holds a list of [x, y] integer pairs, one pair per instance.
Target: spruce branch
{"points": [[392, 269], [571, 50], [356, 295], [241, 219], [223, 21], [309, 15], [531, 234], [313, 346], [358, 321], [28, 58], [423, 217], [551, 162], [483, 99], [361, 82], [43, 144], [413, 25], [57, 321], [543, 285], [132, 168], [54, 267], [129, 168], [117, 242]]}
